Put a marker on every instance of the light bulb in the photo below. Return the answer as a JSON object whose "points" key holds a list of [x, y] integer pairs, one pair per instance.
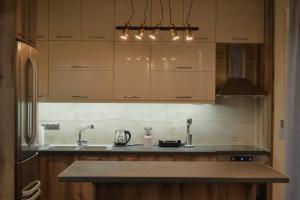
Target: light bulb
{"points": [[140, 32], [174, 33], [188, 32], [154, 32], [125, 32]]}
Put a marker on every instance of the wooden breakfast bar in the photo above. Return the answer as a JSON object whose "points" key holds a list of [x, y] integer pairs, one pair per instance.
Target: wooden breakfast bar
{"points": [[167, 180]]}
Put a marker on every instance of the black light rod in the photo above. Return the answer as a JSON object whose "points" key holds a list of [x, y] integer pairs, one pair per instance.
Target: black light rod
{"points": [[162, 28]]}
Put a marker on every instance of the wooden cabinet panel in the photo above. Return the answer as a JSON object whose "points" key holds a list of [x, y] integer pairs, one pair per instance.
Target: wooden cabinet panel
{"points": [[26, 15], [132, 71], [240, 21], [65, 19], [42, 19], [183, 56], [203, 15], [80, 85], [183, 86], [43, 79], [98, 19], [79, 55], [123, 12], [177, 17]]}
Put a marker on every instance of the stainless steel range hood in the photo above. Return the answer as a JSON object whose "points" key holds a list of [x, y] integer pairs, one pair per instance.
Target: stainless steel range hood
{"points": [[238, 67]]}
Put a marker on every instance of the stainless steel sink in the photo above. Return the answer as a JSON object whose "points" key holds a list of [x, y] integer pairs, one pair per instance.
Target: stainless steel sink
{"points": [[80, 148]]}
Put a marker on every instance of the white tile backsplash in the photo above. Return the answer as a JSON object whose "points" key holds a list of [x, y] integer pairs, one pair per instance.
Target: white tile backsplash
{"points": [[231, 121]]}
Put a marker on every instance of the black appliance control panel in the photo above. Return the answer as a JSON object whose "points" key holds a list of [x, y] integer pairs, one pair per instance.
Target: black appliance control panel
{"points": [[242, 158]]}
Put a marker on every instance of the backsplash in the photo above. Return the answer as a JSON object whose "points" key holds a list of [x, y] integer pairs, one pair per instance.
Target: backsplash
{"points": [[230, 121]]}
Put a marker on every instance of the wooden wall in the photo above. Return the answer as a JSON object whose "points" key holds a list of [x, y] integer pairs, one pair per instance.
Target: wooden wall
{"points": [[280, 50], [7, 105]]}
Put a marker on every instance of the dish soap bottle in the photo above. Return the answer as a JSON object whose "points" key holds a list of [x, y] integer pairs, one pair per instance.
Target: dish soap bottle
{"points": [[147, 137]]}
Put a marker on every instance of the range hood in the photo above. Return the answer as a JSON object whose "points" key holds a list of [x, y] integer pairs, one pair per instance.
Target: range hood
{"points": [[240, 69], [240, 87]]}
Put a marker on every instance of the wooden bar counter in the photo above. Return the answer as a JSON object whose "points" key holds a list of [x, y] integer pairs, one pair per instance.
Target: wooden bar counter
{"points": [[150, 180]]}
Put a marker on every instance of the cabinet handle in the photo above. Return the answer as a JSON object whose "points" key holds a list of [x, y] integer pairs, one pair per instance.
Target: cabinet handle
{"points": [[78, 66], [41, 95], [97, 37], [40, 36], [183, 97], [242, 39], [181, 67], [81, 97], [201, 38], [64, 36], [131, 97]]}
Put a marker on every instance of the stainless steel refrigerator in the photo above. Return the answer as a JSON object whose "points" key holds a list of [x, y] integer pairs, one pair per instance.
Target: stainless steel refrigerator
{"points": [[28, 185]]}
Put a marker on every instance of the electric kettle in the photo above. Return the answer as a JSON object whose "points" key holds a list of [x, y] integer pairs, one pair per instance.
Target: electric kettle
{"points": [[122, 137]]}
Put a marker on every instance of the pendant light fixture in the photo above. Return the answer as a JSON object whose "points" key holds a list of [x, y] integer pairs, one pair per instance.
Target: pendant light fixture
{"points": [[125, 32], [141, 31], [155, 31], [188, 31], [174, 33]]}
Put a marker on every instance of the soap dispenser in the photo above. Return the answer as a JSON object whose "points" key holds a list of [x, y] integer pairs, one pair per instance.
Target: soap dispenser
{"points": [[147, 137]]}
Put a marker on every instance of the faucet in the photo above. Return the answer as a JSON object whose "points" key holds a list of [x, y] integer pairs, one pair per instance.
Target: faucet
{"points": [[82, 142], [189, 136]]}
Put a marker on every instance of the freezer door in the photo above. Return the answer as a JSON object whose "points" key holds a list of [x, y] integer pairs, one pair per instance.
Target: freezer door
{"points": [[28, 179], [26, 101]]}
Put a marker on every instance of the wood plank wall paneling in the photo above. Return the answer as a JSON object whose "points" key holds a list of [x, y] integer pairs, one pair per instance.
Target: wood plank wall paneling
{"points": [[7, 98]]}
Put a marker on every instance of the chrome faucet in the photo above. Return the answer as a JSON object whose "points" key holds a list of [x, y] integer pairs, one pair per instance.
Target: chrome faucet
{"points": [[189, 136], [82, 142]]}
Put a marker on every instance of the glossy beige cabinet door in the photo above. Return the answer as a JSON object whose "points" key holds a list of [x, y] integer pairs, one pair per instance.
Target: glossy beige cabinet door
{"points": [[132, 71], [203, 15], [65, 19], [183, 56], [240, 21], [42, 66], [98, 20], [183, 86], [80, 85], [177, 17], [123, 12], [42, 19], [81, 55]]}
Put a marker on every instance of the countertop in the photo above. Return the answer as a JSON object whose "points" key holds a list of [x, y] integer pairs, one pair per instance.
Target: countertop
{"points": [[184, 172], [140, 149]]}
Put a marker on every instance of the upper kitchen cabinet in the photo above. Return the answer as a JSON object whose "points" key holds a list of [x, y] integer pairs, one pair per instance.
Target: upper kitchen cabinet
{"points": [[65, 19], [98, 20], [182, 86], [202, 15], [26, 15], [80, 85], [132, 71], [240, 21], [183, 56], [177, 17], [123, 12], [43, 68], [81, 55], [42, 19]]}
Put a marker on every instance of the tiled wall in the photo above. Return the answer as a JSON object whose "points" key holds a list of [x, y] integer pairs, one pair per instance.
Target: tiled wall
{"points": [[231, 120]]}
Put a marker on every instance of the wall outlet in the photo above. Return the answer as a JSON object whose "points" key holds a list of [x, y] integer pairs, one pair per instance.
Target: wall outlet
{"points": [[51, 126]]}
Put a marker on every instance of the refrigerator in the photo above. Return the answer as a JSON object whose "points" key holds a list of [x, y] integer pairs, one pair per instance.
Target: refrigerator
{"points": [[28, 185]]}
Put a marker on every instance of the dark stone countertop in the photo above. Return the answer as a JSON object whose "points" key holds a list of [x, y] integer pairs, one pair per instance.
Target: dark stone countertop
{"points": [[140, 149]]}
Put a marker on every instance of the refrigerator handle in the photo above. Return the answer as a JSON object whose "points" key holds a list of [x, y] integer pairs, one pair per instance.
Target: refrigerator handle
{"points": [[35, 196], [36, 153]]}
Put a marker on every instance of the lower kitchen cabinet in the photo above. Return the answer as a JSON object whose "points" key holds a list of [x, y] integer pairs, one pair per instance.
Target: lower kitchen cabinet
{"points": [[183, 86], [53, 164], [78, 86]]}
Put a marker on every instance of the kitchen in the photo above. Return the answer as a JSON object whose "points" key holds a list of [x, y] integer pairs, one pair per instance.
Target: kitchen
{"points": [[120, 95]]}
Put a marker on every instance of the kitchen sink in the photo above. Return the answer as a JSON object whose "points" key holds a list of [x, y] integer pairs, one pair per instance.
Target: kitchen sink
{"points": [[80, 148]]}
